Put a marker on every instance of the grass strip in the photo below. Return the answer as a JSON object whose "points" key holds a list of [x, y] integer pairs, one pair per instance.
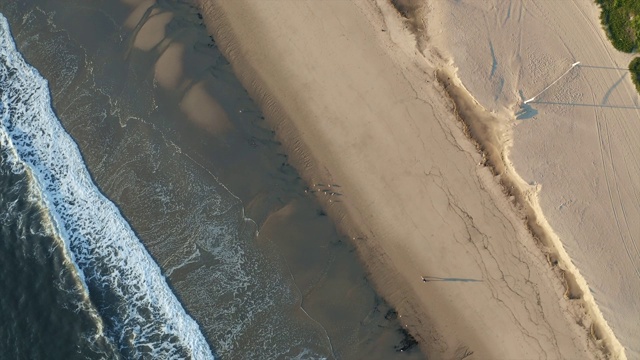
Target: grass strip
{"points": [[621, 21]]}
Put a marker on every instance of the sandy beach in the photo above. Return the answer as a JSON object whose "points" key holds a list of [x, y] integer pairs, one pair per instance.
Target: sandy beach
{"points": [[172, 138], [379, 126], [577, 142]]}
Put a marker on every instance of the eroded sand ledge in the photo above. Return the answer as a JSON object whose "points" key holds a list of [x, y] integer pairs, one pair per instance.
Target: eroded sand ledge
{"points": [[358, 106]]}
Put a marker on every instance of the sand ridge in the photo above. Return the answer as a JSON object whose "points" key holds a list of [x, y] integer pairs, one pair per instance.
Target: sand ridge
{"points": [[481, 128], [576, 142], [357, 105]]}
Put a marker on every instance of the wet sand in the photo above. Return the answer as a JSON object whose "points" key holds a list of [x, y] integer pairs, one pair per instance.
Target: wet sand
{"points": [[356, 104], [576, 143], [174, 140]]}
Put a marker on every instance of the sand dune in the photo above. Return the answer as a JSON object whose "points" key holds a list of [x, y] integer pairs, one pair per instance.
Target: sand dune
{"points": [[578, 140], [357, 105]]}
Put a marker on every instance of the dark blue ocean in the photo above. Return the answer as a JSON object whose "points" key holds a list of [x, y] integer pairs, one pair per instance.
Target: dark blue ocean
{"points": [[128, 229]]}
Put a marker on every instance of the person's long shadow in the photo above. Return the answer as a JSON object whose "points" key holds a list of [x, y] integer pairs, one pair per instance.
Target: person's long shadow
{"points": [[603, 67], [587, 105], [437, 278]]}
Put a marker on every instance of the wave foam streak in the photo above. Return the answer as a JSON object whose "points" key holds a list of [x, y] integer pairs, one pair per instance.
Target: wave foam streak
{"points": [[141, 313]]}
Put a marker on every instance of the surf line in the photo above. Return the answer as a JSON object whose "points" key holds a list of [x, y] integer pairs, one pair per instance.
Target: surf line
{"points": [[145, 317], [553, 83]]}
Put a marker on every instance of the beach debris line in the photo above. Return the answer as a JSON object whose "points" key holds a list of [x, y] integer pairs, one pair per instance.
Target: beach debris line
{"points": [[392, 314], [553, 83], [408, 341]]}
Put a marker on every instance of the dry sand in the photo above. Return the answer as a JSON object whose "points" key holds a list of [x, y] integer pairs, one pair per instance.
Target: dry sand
{"points": [[358, 106], [578, 141]]}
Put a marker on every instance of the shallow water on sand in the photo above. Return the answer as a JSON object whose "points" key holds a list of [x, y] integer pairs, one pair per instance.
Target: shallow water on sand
{"points": [[170, 136]]}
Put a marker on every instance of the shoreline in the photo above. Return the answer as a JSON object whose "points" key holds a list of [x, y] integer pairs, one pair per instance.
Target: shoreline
{"points": [[574, 147], [186, 177], [382, 256]]}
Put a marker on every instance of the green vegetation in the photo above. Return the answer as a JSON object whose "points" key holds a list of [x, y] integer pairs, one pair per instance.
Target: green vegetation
{"points": [[634, 67], [621, 20]]}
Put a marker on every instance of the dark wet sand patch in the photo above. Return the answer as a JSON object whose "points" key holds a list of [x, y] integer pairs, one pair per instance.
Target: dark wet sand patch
{"points": [[138, 136]]}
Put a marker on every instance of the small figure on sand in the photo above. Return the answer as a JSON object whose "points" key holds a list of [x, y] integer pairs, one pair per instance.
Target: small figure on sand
{"points": [[436, 278]]}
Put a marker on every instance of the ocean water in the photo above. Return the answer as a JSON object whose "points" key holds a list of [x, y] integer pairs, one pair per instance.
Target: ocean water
{"points": [[45, 310], [137, 311], [127, 305], [131, 231]]}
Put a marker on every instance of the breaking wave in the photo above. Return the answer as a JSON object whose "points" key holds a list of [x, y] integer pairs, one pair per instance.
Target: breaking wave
{"points": [[140, 312]]}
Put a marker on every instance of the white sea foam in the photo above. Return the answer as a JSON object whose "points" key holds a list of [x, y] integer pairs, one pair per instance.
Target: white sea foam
{"points": [[143, 315]]}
